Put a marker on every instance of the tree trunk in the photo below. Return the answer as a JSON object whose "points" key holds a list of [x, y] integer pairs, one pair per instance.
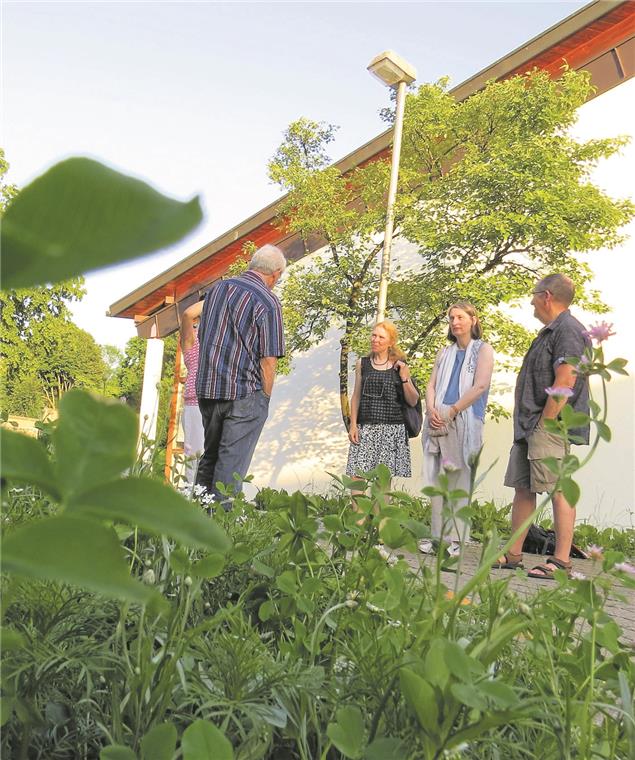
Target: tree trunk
{"points": [[344, 401]]}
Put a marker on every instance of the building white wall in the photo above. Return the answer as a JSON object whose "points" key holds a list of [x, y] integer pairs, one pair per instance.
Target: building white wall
{"points": [[304, 438]]}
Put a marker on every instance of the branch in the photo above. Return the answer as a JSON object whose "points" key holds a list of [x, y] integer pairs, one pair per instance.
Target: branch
{"points": [[416, 344]]}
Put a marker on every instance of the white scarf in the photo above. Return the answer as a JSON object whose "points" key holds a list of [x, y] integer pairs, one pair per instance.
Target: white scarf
{"points": [[473, 426]]}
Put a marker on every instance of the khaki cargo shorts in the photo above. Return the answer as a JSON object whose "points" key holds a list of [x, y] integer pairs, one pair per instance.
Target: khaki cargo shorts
{"points": [[525, 468]]}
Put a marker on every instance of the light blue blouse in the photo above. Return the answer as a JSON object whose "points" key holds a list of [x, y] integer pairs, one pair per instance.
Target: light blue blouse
{"points": [[452, 393]]}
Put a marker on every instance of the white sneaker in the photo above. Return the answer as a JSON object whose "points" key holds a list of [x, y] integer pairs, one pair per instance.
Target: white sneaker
{"points": [[426, 546], [454, 549], [386, 555]]}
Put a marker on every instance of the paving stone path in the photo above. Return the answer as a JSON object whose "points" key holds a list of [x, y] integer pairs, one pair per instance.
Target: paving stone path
{"points": [[620, 605]]}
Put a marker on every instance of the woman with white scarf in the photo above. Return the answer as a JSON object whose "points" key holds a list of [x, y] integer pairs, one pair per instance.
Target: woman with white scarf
{"points": [[456, 397]]}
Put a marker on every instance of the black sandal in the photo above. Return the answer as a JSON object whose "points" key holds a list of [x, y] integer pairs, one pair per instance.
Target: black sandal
{"points": [[547, 570], [509, 562]]}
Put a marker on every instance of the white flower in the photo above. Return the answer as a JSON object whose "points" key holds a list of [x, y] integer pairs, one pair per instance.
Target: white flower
{"points": [[342, 665], [187, 580], [577, 576], [149, 577]]}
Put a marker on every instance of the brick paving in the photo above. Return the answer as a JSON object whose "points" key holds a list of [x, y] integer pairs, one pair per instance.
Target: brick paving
{"points": [[620, 604]]}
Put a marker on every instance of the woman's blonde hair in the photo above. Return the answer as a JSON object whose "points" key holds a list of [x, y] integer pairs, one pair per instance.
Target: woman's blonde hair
{"points": [[468, 308], [394, 351]]}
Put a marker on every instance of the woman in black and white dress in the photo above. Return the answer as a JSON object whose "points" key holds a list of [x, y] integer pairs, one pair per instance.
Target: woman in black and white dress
{"points": [[377, 432]]}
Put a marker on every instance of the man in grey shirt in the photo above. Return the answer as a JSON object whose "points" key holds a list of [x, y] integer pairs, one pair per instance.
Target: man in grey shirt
{"points": [[545, 366]]}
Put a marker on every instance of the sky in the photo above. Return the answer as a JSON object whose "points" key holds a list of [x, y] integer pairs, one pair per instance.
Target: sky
{"points": [[194, 97]]}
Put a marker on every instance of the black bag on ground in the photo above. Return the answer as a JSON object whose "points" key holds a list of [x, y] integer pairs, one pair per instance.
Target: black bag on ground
{"points": [[539, 540], [412, 415]]}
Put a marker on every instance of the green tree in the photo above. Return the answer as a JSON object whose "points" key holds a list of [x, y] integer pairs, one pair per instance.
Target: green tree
{"points": [[66, 357], [493, 193], [112, 358], [34, 324], [129, 377], [7, 191]]}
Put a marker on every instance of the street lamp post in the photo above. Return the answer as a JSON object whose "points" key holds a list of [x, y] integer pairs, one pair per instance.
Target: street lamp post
{"points": [[393, 71]]}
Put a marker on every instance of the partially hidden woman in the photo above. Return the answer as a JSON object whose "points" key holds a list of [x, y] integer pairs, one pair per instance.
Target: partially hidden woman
{"points": [[193, 433], [377, 432], [456, 397]]}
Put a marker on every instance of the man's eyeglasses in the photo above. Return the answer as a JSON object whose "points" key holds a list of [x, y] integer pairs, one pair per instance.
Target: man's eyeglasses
{"points": [[538, 292]]}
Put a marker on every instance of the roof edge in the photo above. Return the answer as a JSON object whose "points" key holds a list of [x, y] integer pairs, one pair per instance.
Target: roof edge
{"points": [[508, 63]]}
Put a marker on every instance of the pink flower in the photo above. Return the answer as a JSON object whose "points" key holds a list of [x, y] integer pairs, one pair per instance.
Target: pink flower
{"points": [[449, 466], [559, 392], [601, 331], [595, 552], [625, 567], [577, 576]]}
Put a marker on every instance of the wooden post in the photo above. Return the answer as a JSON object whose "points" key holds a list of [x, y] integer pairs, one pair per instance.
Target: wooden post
{"points": [[171, 449]]}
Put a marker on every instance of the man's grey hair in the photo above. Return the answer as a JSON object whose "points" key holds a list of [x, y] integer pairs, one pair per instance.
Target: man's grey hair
{"points": [[268, 259], [561, 287]]}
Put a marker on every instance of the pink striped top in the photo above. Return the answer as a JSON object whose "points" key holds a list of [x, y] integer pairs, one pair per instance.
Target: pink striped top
{"points": [[190, 357]]}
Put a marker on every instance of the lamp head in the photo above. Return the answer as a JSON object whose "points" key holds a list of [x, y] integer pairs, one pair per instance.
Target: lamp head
{"points": [[391, 69]]}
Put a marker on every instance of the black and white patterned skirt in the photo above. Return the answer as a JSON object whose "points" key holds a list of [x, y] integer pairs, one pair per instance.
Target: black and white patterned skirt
{"points": [[380, 444]]}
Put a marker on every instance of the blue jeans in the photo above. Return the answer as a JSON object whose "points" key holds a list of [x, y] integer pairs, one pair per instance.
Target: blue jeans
{"points": [[232, 429]]}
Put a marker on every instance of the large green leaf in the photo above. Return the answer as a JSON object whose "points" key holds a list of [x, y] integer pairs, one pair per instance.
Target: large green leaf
{"points": [[421, 698], [347, 734], [386, 748], [95, 441], [159, 743], [117, 752], [25, 460], [155, 508], [81, 215], [203, 741], [72, 550]]}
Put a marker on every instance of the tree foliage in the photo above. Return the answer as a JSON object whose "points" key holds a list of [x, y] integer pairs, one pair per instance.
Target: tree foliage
{"points": [[493, 193]]}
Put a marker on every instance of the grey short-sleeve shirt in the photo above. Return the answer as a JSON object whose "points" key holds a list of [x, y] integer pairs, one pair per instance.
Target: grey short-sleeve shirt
{"points": [[554, 343]]}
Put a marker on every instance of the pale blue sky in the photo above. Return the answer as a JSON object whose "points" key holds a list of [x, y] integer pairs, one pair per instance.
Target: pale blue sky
{"points": [[194, 97]]}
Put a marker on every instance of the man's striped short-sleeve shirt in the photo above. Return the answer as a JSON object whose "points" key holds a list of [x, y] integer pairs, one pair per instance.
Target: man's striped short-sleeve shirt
{"points": [[240, 324]]}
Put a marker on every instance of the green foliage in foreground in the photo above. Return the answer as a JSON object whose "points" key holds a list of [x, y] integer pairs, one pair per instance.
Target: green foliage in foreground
{"points": [[307, 644], [134, 627]]}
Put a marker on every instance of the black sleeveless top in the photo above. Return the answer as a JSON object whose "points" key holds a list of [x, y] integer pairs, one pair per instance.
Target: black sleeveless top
{"points": [[379, 402]]}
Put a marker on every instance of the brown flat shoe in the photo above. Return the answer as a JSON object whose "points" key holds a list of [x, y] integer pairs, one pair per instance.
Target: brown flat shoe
{"points": [[546, 571], [509, 561]]}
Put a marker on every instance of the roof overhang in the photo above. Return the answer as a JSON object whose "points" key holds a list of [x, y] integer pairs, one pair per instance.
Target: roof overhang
{"points": [[599, 38]]}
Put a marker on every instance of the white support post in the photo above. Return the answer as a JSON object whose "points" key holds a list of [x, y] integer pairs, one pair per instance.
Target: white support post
{"points": [[149, 410]]}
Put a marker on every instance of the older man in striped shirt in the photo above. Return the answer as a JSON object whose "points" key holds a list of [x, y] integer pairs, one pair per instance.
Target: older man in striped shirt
{"points": [[241, 338]]}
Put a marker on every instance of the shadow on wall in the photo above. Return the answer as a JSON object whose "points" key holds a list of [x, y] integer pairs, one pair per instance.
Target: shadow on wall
{"points": [[304, 436]]}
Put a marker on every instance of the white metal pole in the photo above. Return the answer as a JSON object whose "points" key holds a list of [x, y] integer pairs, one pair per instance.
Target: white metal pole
{"points": [[390, 207]]}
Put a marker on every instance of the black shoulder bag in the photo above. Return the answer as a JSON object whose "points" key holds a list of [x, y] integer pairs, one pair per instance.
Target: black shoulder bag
{"points": [[412, 415]]}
